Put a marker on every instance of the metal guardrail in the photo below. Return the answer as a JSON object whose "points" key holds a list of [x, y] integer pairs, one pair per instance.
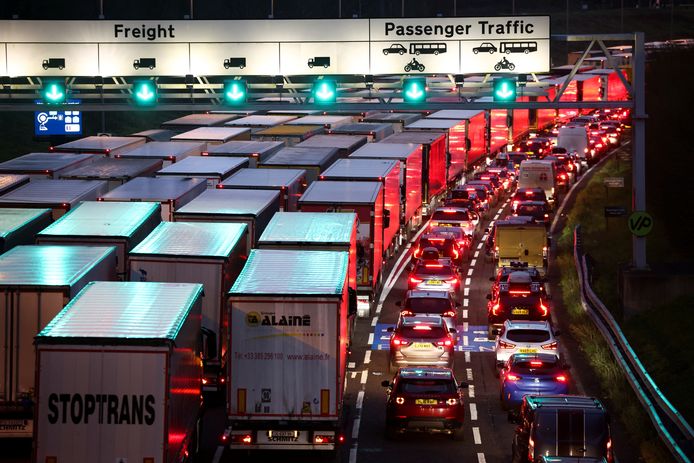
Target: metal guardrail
{"points": [[673, 429]]}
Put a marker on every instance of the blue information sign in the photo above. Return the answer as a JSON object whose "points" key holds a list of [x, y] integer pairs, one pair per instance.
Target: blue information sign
{"points": [[57, 122]]}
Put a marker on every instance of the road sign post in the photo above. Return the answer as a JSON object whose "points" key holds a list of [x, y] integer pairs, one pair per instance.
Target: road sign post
{"points": [[638, 170]]}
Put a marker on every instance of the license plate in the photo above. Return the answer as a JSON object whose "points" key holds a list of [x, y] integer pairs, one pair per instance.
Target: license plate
{"points": [[520, 312], [272, 434], [435, 282], [422, 345], [527, 351], [426, 401]]}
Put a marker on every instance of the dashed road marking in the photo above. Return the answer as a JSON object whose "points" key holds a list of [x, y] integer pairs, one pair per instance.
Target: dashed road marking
{"points": [[477, 253], [218, 454], [352, 365], [469, 373], [476, 436], [353, 455], [466, 302], [466, 326], [355, 428], [466, 291], [468, 280], [371, 339], [480, 246], [473, 412], [364, 376], [465, 341], [467, 356], [473, 262], [360, 400], [471, 391], [480, 458], [354, 374], [367, 357], [374, 321], [465, 311]]}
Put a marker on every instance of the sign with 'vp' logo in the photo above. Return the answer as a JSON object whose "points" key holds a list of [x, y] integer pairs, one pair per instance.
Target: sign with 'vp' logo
{"points": [[640, 223]]}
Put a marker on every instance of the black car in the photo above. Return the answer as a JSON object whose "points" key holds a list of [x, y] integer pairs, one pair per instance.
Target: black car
{"points": [[538, 210], [561, 426]]}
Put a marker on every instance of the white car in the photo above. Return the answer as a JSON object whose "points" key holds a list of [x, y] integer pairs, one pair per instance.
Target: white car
{"points": [[525, 337]]}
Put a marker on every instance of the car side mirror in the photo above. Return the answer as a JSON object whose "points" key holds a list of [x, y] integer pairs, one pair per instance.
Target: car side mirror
{"points": [[452, 330], [489, 297], [398, 303], [496, 332], [463, 385], [557, 333], [390, 329], [385, 383]]}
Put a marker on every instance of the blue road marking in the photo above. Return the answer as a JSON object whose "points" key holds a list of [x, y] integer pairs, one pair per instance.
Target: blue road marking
{"points": [[476, 336]]}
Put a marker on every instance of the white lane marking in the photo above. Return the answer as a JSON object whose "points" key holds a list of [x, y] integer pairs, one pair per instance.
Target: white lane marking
{"points": [[476, 436], [354, 374], [465, 311], [473, 412], [480, 246], [466, 291], [360, 400], [469, 373], [353, 455], [367, 357], [352, 365], [477, 254], [473, 262], [466, 302], [218, 454], [370, 342], [465, 340], [480, 458], [468, 280], [470, 391], [467, 356], [364, 376], [355, 428], [466, 326], [374, 321], [378, 308]]}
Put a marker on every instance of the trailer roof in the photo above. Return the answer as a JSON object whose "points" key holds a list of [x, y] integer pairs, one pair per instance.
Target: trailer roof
{"points": [[386, 150], [316, 119], [354, 168], [43, 162], [153, 189], [362, 127], [211, 133], [294, 111], [102, 218], [244, 147], [200, 120], [271, 178], [95, 143], [263, 120], [423, 138], [204, 165], [309, 227], [455, 114], [436, 124], [124, 309], [303, 273], [199, 239], [229, 201], [162, 149], [12, 218], [47, 191], [49, 266], [155, 134], [113, 168], [10, 181], [290, 130], [405, 118], [300, 156], [339, 192], [333, 141]]}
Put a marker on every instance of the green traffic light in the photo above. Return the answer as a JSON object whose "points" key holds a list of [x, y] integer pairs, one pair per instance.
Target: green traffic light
{"points": [[504, 89], [414, 90], [325, 91], [235, 91], [54, 92], [145, 92]]}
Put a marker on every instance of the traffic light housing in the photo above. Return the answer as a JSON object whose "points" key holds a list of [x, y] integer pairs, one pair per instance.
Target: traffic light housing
{"points": [[504, 89], [324, 91], [414, 90], [235, 91], [145, 92], [54, 92]]}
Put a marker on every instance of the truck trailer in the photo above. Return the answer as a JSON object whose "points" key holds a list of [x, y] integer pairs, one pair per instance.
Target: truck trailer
{"points": [[288, 351], [213, 170], [20, 226], [168, 152], [114, 171], [119, 375], [58, 195], [107, 146], [45, 165], [291, 183], [255, 151]]}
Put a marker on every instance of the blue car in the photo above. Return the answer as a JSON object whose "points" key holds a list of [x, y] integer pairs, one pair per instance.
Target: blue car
{"points": [[536, 374]]}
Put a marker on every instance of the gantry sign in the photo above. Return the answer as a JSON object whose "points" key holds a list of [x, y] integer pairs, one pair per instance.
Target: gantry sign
{"points": [[275, 47]]}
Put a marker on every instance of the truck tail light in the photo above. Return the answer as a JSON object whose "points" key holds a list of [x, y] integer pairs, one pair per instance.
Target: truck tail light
{"points": [[324, 401], [323, 439]]}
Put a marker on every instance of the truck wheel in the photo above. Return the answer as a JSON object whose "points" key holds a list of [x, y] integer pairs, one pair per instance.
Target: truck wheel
{"points": [[458, 435], [310, 65]]}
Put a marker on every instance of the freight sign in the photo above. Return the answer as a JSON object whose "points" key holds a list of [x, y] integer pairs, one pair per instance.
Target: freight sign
{"points": [[275, 47]]}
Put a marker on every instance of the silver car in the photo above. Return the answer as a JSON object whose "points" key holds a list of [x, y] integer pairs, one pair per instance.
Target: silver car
{"points": [[421, 340], [525, 337]]}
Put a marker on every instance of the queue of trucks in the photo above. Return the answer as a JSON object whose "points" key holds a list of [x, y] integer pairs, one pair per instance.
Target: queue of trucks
{"points": [[148, 290]]}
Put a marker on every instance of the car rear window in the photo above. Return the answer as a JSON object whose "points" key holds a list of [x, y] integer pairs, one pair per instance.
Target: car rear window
{"points": [[526, 335], [428, 305], [481, 192], [455, 231], [426, 386], [530, 209], [570, 430], [450, 215], [460, 194], [434, 269], [422, 331]]}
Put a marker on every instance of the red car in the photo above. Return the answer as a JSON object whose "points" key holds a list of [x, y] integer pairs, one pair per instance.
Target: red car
{"points": [[445, 243], [425, 399]]}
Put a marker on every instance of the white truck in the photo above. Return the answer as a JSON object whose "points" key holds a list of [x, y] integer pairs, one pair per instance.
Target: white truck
{"points": [[198, 252], [574, 138], [538, 174], [119, 375], [36, 283], [288, 351]]}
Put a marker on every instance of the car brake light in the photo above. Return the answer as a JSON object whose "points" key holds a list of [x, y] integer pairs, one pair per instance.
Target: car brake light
{"points": [[544, 309], [531, 449], [550, 346], [448, 342], [453, 281], [417, 252], [415, 280], [449, 313], [422, 327], [406, 313], [400, 400], [455, 254], [436, 240], [506, 345], [495, 309], [561, 378], [433, 265], [535, 363], [512, 377], [452, 402], [519, 291]]}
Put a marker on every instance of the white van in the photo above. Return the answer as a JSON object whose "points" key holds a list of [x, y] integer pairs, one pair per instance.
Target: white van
{"points": [[575, 140], [538, 174]]}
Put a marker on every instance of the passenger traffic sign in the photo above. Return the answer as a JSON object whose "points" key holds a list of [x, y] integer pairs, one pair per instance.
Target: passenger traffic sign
{"points": [[640, 223]]}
